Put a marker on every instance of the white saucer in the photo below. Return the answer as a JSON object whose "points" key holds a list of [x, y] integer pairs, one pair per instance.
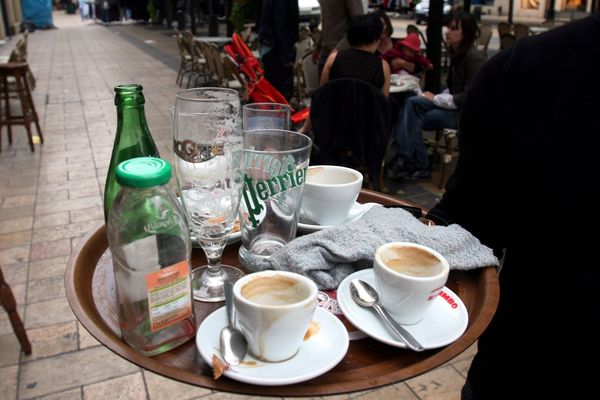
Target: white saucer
{"points": [[316, 356], [441, 325], [355, 213]]}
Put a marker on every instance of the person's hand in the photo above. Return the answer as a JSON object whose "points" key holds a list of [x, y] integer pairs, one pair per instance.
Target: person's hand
{"points": [[428, 95]]}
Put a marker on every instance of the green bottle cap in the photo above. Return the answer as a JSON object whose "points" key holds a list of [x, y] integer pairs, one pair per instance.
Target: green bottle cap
{"points": [[143, 172]]}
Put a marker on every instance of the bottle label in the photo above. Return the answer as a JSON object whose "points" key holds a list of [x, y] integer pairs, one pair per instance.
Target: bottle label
{"points": [[169, 295]]}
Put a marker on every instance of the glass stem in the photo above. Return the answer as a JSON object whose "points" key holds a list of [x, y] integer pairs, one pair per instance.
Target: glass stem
{"points": [[214, 263]]}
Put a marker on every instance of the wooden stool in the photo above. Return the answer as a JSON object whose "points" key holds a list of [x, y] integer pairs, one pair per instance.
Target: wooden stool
{"points": [[18, 71], [8, 302]]}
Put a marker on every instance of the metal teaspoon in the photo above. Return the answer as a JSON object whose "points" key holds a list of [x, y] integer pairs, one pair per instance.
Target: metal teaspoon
{"points": [[232, 342], [365, 295]]}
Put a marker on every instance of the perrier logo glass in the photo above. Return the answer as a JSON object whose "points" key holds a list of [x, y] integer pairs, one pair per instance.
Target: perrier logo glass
{"points": [[271, 178]]}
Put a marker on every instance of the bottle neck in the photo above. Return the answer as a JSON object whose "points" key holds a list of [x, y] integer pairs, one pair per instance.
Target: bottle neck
{"points": [[132, 119]]}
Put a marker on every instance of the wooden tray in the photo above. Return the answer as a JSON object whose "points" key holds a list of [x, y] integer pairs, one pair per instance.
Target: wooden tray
{"points": [[89, 283]]}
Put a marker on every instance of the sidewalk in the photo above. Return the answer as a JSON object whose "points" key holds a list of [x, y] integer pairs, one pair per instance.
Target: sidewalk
{"points": [[49, 199]]}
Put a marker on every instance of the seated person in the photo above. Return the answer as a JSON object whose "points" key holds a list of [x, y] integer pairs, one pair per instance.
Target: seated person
{"points": [[359, 61], [406, 56], [437, 111]]}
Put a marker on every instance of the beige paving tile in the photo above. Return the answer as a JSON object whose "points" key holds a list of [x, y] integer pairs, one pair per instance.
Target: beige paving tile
{"points": [[10, 350], [73, 204], [14, 255], [18, 201], [50, 249], [74, 394], [87, 214], [14, 239], [397, 391], [86, 340], [5, 326], [16, 212], [68, 371], [16, 225], [160, 387], [66, 231], [54, 219], [47, 313], [52, 340], [443, 383], [130, 387], [14, 273], [8, 382], [47, 268]]}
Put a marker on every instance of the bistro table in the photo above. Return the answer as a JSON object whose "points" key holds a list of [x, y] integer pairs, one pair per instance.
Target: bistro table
{"points": [[368, 364]]}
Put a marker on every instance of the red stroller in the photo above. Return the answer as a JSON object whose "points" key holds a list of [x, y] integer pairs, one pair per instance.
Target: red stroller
{"points": [[259, 89]]}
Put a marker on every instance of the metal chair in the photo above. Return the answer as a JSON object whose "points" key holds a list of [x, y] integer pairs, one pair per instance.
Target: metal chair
{"points": [[507, 41], [485, 36], [521, 30]]}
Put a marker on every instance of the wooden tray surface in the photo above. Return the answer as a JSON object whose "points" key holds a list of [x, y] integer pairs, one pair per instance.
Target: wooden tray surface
{"points": [[90, 288]]}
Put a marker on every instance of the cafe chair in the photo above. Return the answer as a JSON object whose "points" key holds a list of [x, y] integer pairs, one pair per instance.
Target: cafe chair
{"points": [[507, 41], [351, 127], [17, 73], [485, 36], [445, 149], [521, 31], [8, 302], [504, 28]]}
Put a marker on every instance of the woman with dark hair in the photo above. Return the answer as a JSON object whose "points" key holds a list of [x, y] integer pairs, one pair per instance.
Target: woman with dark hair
{"points": [[437, 111], [360, 61]]}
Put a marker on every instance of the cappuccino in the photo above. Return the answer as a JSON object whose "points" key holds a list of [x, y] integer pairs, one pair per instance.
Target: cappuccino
{"points": [[411, 261], [323, 176], [275, 290]]}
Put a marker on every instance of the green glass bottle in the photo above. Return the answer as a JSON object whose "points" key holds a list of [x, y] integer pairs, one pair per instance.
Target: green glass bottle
{"points": [[133, 138]]}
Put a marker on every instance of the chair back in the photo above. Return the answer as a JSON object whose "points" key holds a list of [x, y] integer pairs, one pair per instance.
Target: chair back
{"points": [[351, 126], [503, 28], [310, 75], [411, 28], [485, 36], [507, 41], [521, 30]]}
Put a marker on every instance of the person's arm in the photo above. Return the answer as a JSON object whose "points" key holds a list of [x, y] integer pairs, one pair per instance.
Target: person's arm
{"points": [[386, 75], [327, 67], [399, 63], [473, 62]]}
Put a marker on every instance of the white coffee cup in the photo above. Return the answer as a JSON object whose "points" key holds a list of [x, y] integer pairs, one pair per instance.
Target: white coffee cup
{"points": [[329, 193], [274, 310], [409, 277]]}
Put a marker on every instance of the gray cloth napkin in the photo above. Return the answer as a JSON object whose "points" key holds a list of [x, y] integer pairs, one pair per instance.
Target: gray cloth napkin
{"points": [[330, 255]]}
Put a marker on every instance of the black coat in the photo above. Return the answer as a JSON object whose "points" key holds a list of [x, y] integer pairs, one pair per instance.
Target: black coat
{"points": [[526, 181], [279, 27]]}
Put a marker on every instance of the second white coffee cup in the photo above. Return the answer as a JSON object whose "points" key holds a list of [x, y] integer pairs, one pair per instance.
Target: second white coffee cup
{"points": [[409, 277], [274, 310], [329, 193]]}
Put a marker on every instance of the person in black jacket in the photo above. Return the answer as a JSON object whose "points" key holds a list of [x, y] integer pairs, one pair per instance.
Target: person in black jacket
{"points": [[525, 185], [278, 32]]}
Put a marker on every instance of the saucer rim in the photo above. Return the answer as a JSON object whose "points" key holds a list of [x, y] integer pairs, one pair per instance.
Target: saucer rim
{"points": [[341, 338], [309, 228], [390, 341]]}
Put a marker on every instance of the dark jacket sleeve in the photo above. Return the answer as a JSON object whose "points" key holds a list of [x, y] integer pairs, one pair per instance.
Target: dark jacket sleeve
{"points": [[285, 28], [474, 59]]}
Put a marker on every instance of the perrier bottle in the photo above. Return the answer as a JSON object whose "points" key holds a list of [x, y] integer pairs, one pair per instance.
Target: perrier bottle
{"points": [[133, 138]]}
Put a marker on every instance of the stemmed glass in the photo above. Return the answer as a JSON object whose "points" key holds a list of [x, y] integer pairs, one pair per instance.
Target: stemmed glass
{"points": [[207, 147]]}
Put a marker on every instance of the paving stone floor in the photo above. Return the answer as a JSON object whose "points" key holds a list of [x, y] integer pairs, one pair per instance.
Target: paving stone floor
{"points": [[50, 198]]}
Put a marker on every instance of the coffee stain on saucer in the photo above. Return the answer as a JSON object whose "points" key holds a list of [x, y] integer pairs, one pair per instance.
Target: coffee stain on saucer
{"points": [[312, 330]]}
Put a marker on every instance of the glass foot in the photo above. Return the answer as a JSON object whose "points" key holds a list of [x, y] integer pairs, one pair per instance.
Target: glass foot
{"points": [[208, 286]]}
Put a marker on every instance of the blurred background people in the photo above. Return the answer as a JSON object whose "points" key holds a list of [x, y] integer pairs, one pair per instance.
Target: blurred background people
{"points": [[278, 32], [436, 111]]}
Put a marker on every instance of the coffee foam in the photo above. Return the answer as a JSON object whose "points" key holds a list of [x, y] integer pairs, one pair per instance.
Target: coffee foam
{"points": [[276, 290], [319, 175], [412, 261]]}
